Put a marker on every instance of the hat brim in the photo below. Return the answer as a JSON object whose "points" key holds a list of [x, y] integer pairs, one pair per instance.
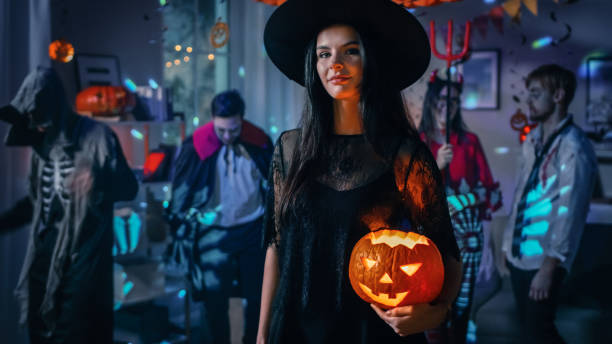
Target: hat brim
{"points": [[399, 38]]}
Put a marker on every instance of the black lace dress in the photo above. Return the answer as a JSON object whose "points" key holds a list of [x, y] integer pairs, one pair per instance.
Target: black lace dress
{"points": [[355, 190]]}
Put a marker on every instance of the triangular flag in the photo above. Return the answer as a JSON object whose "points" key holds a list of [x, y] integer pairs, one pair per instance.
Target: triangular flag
{"points": [[481, 24], [532, 6], [497, 18], [512, 7]]}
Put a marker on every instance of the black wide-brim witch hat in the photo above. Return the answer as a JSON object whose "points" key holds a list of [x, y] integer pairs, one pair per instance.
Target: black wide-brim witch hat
{"points": [[400, 40]]}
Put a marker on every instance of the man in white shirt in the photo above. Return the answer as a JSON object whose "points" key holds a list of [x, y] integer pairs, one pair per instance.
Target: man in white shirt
{"points": [[558, 170], [216, 213]]}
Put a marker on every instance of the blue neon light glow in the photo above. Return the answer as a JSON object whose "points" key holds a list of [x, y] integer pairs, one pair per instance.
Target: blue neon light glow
{"points": [[119, 228], [536, 229], [565, 189], [130, 84], [127, 287], [208, 218], [137, 134], [153, 84], [542, 42], [562, 210], [542, 208], [531, 248], [501, 150], [452, 199], [134, 224], [540, 190]]}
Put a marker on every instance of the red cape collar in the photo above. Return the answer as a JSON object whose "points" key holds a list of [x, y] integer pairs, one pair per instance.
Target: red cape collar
{"points": [[206, 142]]}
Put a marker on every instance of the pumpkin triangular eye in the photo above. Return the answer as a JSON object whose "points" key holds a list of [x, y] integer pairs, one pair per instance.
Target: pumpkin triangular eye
{"points": [[368, 263], [386, 279], [411, 269]]}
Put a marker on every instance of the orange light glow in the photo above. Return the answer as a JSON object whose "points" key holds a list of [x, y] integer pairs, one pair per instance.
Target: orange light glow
{"points": [[61, 50], [368, 263], [385, 279], [411, 269]]}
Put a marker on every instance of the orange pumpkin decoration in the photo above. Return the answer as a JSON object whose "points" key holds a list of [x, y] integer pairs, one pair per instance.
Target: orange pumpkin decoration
{"points": [[392, 268], [61, 50], [104, 100]]}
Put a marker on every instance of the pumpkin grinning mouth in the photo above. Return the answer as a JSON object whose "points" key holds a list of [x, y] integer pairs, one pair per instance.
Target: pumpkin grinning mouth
{"points": [[384, 298]]}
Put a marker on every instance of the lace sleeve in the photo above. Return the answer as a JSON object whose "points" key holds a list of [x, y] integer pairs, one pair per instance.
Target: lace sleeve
{"points": [[276, 176], [420, 184]]}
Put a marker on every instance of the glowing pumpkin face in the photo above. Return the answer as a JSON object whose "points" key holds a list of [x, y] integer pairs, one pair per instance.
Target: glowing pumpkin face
{"points": [[392, 268]]}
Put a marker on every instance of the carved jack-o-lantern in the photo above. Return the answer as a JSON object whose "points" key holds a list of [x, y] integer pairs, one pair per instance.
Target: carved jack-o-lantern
{"points": [[392, 268]]}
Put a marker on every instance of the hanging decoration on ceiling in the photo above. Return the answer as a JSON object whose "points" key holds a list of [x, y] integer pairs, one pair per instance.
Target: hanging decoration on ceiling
{"points": [[61, 50], [520, 123], [513, 8], [219, 34], [568, 30], [495, 16], [405, 3]]}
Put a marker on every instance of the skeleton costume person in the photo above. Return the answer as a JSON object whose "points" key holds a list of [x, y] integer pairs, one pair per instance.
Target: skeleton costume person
{"points": [[77, 172]]}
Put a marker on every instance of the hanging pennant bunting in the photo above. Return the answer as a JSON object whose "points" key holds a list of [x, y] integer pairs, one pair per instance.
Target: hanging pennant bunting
{"points": [[513, 8], [497, 18], [481, 23]]}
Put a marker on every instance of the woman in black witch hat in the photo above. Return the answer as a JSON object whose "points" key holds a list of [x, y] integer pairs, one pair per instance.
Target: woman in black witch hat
{"points": [[354, 165]]}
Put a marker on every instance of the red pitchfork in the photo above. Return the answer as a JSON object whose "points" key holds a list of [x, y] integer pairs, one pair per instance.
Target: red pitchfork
{"points": [[449, 57]]}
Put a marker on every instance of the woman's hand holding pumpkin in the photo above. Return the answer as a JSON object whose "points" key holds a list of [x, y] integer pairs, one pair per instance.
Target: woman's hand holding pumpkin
{"points": [[413, 319]]}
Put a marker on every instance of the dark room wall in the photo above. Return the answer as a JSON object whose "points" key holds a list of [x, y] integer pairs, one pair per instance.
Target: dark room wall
{"points": [[112, 27]]}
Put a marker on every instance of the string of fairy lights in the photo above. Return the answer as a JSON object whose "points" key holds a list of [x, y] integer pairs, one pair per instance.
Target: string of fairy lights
{"points": [[185, 58]]}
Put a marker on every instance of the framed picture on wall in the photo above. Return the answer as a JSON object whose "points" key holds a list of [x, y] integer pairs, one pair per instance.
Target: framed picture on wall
{"points": [[97, 70], [481, 80], [599, 91]]}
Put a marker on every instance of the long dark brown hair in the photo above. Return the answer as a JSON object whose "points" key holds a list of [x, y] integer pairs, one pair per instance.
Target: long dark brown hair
{"points": [[428, 122], [383, 114]]}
